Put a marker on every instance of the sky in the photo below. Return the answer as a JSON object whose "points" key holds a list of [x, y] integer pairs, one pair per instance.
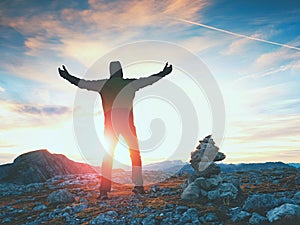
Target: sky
{"points": [[252, 50]]}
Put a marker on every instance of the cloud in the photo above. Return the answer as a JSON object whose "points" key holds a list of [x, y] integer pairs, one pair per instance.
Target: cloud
{"points": [[77, 37], [239, 46], [278, 61], [270, 128], [2, 89], [202, 43], [89, 30], [277, 57], [293, 66], [42, 110], [261, 121], [265, 138], [6, 157], [126, 14], [17, 115]]}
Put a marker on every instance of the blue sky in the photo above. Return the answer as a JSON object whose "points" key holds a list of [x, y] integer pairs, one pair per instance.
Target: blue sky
{"points": [[259, 81]]}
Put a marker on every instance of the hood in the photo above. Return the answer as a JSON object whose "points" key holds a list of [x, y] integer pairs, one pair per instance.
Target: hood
{"points": [[115, 69]]}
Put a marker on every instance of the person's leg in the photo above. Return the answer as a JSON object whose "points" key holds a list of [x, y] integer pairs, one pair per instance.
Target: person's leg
{"points": [[111, 140], [130, 137]]}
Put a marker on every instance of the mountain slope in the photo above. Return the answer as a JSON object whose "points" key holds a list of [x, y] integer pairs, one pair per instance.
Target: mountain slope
{"points": [[38, 166]]}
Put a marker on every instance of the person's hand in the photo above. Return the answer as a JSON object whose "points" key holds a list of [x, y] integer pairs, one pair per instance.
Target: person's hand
{"points": [[63, 72], [167, 69]]}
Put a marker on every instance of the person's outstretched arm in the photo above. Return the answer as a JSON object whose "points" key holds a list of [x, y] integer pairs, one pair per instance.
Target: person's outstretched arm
{"points": [[91, 85], [145, 81]]}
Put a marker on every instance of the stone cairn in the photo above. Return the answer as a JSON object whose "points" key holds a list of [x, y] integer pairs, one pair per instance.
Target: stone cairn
{"points": [[206, 184]]}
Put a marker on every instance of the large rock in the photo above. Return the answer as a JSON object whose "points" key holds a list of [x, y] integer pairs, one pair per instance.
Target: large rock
{"points": [[190, 216], [38, 166], [224, 191], [257, 219], [297, 198], [260, 202], [238, 215], [211, 170], [241, 216], [287, 211], [228, 190], [61, 196], [191, 192], [208, 183]]}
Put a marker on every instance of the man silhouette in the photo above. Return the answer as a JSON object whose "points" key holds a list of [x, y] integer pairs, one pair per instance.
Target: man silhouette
{"points": [[117, 96]]}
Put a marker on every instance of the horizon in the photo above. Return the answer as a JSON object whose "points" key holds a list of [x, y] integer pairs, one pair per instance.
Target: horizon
{"points": [[249, 48], [126, 167]]}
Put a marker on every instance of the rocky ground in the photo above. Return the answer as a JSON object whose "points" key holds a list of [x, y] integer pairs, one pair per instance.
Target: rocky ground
{"points": [[268, 197]]}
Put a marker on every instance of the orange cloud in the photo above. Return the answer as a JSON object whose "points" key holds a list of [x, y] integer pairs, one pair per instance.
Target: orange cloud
{"points": [[102, 23]]}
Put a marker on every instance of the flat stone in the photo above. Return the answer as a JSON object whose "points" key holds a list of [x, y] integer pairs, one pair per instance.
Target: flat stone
{"points": [[220, 156]]}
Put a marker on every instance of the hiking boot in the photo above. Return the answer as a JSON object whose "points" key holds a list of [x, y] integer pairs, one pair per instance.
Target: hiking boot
{"points": [[103, 195], [138, 190]]}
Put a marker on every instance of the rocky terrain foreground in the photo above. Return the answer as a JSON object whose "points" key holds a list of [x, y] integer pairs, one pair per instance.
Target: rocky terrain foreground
{"points": [[72, 199], [208, 196]]}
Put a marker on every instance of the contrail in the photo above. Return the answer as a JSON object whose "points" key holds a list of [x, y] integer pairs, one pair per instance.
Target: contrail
{"points": [[238, 35]]}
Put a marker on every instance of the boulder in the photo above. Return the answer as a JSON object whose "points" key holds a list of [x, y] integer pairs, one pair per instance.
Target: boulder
{"points": [[191, 192], [211, 170], [257, 219], [190, 216], [60, 196], [228, 190], [260, 202], [238, 215], [213, 195], [296, 198], [225, 190], [285, 211], [208, 183]]}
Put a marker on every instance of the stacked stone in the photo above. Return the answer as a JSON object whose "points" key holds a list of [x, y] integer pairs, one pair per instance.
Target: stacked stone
{"points": [[207, 183]]}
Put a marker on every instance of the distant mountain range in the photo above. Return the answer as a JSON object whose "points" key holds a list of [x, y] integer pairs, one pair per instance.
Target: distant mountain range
{"points": [[179, 167], [253, 166], [40, 165], [166, 166]]}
